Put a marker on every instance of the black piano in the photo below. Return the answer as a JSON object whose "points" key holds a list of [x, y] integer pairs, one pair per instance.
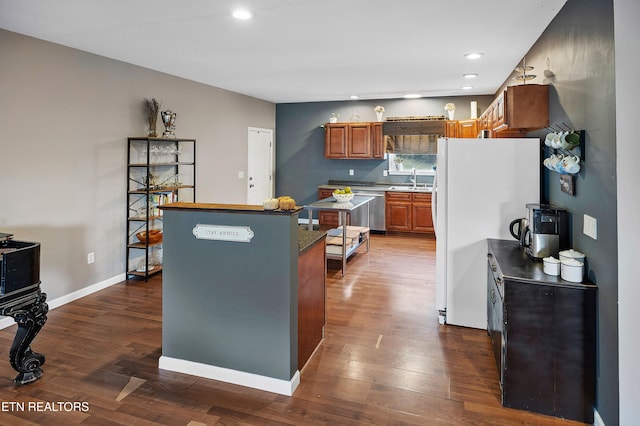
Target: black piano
{"points": [[22, 299]]}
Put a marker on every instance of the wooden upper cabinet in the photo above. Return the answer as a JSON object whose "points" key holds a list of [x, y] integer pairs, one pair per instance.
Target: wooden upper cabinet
{"points": [[359, 140], [353, 140], [451, 129], [468, 128], [462, 128], [498, 113], [519, 109], [377, 141], [484, 122], [335, 141]]}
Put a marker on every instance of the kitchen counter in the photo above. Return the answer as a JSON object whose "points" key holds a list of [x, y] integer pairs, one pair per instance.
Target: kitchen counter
{"points": [[372, 186], [515, 263], [237, 208], [307, 238]]}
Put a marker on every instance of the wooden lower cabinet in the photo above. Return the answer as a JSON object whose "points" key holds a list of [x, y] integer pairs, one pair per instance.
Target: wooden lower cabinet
{"points": [[311, 300], [398, 211], [408, 212], [326, 219], [421, 218]]}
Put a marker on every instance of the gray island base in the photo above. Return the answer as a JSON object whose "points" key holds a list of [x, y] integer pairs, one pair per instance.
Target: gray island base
{"points": [[230, 294]]}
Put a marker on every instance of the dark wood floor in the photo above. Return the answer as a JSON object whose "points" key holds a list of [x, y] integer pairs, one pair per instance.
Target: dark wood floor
{"points": [[385, 360]]}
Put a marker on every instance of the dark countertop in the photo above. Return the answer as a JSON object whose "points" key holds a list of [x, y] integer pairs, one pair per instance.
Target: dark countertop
{"points": [[514, 263], [307, 238], [387, 187]]}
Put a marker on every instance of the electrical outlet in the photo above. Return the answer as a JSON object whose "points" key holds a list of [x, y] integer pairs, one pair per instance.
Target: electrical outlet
{"points": [[590, 227], [351, 172], [91, 257]]}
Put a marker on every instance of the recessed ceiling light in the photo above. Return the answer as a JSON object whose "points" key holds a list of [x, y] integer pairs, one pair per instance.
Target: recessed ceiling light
{"points": [[354, 96], [467, 87], [474, 55], [470, 75], [242, 14], [412, 96]]}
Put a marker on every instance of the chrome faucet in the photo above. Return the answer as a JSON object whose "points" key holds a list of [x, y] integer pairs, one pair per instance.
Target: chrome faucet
{"points": [[414, 178]]}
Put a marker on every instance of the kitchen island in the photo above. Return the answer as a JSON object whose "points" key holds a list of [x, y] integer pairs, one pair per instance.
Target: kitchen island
{"points": [[230, 301]]}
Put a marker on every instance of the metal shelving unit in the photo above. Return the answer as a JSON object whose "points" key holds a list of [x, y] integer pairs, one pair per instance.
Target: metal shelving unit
{"points": [[159, 171]]}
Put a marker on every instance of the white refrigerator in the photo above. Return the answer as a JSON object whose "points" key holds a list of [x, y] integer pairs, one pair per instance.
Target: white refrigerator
{"points": [[480, 186]]}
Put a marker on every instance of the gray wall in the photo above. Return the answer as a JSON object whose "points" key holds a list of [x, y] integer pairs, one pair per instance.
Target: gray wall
{"points": [[66, 116], [575, 56], [300, 162]]}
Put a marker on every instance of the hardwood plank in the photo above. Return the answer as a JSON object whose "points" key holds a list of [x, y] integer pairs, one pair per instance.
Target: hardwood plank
{"points": [[384, 359]]}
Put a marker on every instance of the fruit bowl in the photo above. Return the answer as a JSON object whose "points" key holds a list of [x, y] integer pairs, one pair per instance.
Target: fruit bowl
{"points": [[153, 237], [341, 198]]}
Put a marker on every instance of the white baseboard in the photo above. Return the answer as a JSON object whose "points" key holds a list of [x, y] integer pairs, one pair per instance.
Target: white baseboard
{"points": [[67, 298], [269, 384], [597, 420]]}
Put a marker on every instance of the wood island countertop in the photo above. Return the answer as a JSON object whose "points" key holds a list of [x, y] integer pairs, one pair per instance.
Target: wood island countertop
{"points": [[231, 208]]}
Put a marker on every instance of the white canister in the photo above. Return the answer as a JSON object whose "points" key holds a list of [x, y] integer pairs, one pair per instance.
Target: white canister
{"points": [[551, 266], [571, 254], [572, 270]]}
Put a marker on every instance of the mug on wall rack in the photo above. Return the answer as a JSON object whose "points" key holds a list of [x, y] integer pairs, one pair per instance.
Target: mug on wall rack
{"points": [[571, 164], [570, 140]]}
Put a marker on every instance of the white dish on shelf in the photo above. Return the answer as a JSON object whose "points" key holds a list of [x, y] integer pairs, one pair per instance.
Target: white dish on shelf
{"points": [[143, 269]]}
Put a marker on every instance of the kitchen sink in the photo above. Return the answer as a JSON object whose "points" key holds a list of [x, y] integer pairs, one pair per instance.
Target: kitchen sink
{"points": [[410, 188]]}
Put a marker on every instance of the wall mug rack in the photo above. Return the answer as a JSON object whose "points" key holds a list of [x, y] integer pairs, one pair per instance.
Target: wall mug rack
{"points": [[564, 154], [564, 149]]}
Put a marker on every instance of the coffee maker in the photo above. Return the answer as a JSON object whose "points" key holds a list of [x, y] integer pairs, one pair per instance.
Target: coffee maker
{"points": [[547, 231]]}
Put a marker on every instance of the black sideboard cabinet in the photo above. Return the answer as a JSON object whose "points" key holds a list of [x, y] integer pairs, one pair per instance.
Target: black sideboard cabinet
{"points": [[543, 331]]}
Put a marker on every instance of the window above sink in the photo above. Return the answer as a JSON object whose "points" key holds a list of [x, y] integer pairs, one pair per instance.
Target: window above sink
{"points": [[403, 164]]}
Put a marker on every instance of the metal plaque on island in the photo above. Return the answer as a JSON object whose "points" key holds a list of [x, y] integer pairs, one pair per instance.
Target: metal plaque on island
{"points": [[240, 234]]}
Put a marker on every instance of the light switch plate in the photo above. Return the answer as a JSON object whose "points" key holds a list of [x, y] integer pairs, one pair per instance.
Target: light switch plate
{"points": [[241, 174], [590, 227], [351, 172]]}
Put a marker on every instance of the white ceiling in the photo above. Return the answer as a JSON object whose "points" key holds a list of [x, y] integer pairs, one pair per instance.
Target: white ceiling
{"points": [[301, 50]]}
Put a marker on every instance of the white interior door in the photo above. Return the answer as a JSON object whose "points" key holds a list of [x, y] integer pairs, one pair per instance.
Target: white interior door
{"points": [[260, 165]]}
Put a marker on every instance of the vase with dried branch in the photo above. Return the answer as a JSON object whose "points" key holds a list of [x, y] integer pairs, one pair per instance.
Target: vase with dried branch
{"points": [[151, 109]]}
